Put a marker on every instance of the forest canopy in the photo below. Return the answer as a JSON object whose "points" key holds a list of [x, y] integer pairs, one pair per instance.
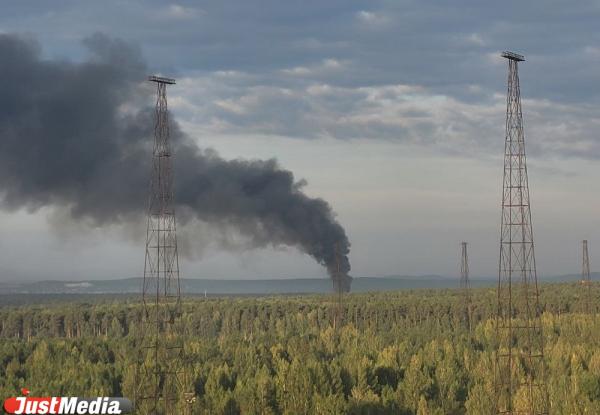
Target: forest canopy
{"points": [[407, 352]]}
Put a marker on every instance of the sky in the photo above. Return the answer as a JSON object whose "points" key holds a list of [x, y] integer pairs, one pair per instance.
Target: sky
{"points": [[392, 111]]}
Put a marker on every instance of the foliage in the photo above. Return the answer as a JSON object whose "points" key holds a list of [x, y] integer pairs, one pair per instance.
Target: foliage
{"points": [[405, 352]]}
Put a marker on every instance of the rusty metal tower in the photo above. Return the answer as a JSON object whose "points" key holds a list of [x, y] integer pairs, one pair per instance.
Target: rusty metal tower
{"points": [[161, 383], [586, 281], [519, 372], [465, 285]]}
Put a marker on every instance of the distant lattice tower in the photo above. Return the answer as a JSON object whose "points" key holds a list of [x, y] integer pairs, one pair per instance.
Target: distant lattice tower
{"points": [[161, 386], [465, 286], [519, 372], [586, 281]]}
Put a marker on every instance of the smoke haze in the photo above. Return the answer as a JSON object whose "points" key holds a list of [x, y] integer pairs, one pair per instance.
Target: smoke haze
{"points": [[72, 135]]}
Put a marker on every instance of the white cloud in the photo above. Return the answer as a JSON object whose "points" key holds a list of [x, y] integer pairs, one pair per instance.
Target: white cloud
{"points": [[476, 39], [372, 18], [239, 104], [592, 51], [178, 12], [495, 58], [326, 66]]}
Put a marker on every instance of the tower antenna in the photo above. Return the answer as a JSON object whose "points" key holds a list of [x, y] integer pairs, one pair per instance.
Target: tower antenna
{"points": [[519, 368], [161, 381], [585, 277], [465, 285]]}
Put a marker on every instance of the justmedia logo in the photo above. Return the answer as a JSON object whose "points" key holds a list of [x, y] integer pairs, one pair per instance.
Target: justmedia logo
{"points": [[66, 405]]}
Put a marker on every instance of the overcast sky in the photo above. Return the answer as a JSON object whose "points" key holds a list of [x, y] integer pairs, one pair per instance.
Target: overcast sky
{"points": [[393, 111]]}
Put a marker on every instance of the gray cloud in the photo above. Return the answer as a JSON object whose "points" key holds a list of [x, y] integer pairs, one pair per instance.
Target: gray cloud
{"points": [[265, 56], [235, 104], [442, 46], [73, 138]]}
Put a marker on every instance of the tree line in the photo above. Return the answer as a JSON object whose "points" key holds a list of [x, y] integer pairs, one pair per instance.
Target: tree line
{"points": [[406, 352]]}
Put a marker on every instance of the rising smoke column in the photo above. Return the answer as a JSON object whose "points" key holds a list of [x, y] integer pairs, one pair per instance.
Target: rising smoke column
{"points": [[71, 138]]}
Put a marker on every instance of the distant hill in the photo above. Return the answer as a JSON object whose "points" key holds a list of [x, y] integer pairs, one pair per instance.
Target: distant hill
{"points": [[259, 286]]}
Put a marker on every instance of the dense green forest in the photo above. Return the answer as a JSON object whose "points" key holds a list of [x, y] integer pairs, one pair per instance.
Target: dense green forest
{"points": [[407, 352]]}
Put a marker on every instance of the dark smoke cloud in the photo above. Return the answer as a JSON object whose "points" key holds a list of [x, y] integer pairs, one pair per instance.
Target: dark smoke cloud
{"points": [[72, 136]]}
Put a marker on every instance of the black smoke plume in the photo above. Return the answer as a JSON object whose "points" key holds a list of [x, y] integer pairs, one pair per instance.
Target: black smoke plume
{"points": [[73, 136]]}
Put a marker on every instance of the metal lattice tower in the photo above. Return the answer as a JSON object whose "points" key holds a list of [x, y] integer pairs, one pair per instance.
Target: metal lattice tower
{"points": [[161, 383], [465, 284], [585, 277], [520, 373]]}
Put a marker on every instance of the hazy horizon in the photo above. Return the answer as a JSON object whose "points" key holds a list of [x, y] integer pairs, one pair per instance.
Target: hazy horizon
{"points": [[429, 277]]}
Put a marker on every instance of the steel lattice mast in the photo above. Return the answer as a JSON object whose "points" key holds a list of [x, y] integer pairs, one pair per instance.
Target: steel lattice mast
{"points": [[520, 374], [161, 377], [585, 277], [465, 284]]}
